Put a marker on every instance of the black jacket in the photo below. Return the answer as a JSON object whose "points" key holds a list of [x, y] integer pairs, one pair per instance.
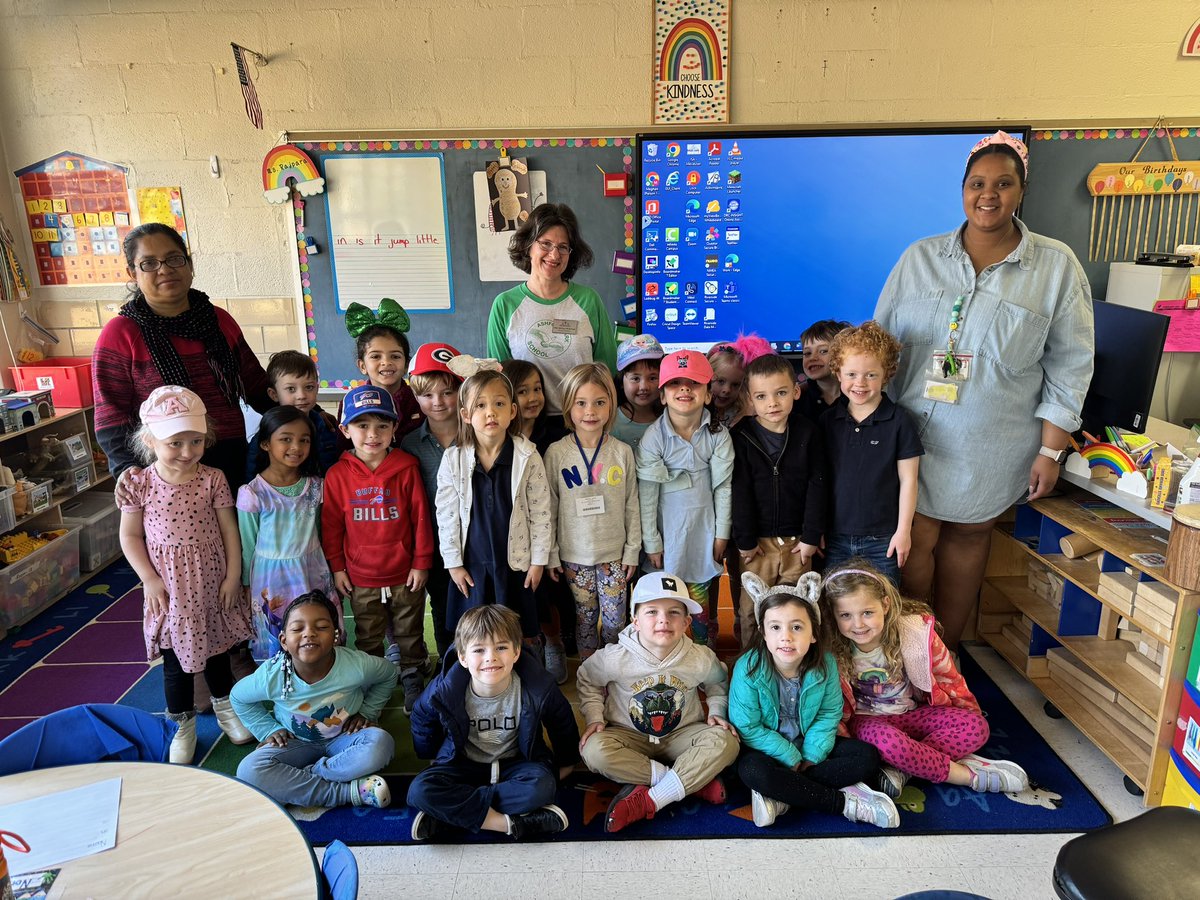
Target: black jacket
{"points": [[439, 719], [784, 500]]}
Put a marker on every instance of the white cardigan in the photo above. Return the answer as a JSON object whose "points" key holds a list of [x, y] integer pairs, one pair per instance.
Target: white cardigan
{"points": [[530, 530]]}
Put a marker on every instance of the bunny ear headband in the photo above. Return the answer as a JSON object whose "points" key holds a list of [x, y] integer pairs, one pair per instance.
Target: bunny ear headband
{"points": [[359, 318], [807, 589], [465, 365]]}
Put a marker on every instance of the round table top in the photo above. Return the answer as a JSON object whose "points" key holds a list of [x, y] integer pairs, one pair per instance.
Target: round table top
{"points": [[181, 832], [1188, 514]]}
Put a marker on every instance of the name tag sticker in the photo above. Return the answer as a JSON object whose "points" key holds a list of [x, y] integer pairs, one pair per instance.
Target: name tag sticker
{"points": [[589, 506], [566, 326]]}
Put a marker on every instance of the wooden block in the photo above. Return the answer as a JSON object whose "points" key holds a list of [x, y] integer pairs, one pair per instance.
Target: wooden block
{"points": [[1145, 667], [1166, 594], [1122, 603], [991, 623], [1119, 714], [1153, 601], [1025, 626], [1104, 710], [1119, 584], [1146, 720], [1109, 619], [1016, 637], [1155, 620], [1128, 632], [1072, 669], [1037, 667], [1074, 546]]}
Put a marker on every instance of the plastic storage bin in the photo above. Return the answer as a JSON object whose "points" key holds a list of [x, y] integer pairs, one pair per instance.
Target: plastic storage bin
{"points": [[1186, 742], [8, 518], [1182, 787], [100, 527], [30, 584], [68, 378], [1193, 669], [32, 501]]}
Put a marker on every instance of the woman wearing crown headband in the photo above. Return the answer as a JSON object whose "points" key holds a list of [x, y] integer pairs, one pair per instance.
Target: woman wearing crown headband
{"points": [[549, 319], [169, 333], [996, 323]]}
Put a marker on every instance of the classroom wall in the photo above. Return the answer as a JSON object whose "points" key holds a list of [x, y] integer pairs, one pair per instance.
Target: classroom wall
{"points": [[151, 84]]}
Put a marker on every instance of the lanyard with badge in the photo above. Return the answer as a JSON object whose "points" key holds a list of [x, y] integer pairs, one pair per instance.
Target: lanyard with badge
{"points": [[594, 505], [948, 369]]}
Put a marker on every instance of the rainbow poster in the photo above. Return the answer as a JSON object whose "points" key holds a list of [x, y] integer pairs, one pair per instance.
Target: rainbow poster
{"points": [[691, 61]]}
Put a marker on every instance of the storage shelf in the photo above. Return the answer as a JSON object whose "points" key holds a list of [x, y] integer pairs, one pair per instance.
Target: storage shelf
{"points": [[1015, 590], [60, 415], [60, 500]]}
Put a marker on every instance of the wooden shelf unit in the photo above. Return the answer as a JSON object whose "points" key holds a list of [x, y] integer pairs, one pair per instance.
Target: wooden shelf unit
{"points": [[64, 423], [1084, 626]]}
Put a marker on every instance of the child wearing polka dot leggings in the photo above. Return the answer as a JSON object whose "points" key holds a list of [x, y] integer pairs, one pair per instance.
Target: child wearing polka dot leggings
{"points": [[901, 689]]}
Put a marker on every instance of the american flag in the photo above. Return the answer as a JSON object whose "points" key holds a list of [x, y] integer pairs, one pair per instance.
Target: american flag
{"points": [[253, 110]]}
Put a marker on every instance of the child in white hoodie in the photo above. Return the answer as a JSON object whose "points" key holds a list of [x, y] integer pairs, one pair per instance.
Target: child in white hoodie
{"points": [[645, 724]]}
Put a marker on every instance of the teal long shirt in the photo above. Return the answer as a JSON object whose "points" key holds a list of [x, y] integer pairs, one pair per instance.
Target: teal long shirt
{"points": [[754, 710]]}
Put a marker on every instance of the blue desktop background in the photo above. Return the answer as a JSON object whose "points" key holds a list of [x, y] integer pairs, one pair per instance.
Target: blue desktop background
{"points": [[817, 224]]}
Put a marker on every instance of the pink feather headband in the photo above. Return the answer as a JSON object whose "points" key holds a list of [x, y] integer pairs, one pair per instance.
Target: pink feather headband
{"points": [[748, 346]]}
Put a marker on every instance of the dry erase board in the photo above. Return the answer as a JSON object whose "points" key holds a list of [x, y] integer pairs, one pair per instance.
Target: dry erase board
{"points": [[570, 176], [1057, 203]]}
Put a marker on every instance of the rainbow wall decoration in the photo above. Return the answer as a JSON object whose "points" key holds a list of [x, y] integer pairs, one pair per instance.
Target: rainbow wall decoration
{"points": [[1108, 456], [287, 167], [1191, 41], [691, 61]]}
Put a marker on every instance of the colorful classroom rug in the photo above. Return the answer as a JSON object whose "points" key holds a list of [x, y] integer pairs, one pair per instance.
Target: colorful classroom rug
{"points": [[87, 648]]}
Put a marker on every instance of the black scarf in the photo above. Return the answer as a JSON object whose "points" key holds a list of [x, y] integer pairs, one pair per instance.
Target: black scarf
{"points": [[197, 323]]}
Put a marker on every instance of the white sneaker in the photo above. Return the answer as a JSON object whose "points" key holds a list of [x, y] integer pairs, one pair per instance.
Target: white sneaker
{"points": [[229, 721], [872, 807], [183, 745], [892, 781], [995, 776], [765, 809]]}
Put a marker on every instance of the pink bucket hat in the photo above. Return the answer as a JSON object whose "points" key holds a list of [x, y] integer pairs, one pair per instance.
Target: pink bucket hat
{"points": [[171, 410]]}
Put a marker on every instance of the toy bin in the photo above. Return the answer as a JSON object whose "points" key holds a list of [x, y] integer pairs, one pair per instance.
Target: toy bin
{"points": [[8, 519], [28, 585], [68, 378], [100, 527], [32, 501], [1182, 787], [1186, 742], [1193, 669]]}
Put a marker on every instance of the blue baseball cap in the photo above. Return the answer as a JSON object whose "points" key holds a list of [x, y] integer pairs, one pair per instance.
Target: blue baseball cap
{"points": [[367, 398]]}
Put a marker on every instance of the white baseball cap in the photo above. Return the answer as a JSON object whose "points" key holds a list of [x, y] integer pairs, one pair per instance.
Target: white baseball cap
{"points": [[662, 586]]}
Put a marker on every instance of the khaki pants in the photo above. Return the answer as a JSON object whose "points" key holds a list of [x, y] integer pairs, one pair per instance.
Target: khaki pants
{"points": [[406, 609], [776, 564], [696, 752]]}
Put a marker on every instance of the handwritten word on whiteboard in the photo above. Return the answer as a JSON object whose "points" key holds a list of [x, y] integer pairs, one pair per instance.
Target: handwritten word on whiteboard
{"points": [[387, 230]]}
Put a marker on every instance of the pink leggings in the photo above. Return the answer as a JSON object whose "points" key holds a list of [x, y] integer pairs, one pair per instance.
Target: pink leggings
{"points": [[923, 741]]}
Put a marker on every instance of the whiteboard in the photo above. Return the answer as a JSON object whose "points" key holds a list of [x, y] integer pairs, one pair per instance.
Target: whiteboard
{"points": [[388, 230]]}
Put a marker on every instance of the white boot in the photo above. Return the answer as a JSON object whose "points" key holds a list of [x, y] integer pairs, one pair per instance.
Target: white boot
{"points": [[229, 722], [183, 745]]}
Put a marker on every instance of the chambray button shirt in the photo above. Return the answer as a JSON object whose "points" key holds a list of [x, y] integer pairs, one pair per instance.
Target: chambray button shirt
{"points": [[1028, 322]]}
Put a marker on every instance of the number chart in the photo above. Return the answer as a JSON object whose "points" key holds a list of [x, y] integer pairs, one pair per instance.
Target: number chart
{"points": [[78, 213]]}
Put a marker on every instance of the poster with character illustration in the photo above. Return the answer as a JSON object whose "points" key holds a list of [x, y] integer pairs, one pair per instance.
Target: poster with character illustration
{"points": [[491, 238]]}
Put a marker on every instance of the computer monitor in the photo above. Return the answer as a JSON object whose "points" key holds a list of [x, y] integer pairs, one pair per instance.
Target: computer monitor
{"points": [[1129, 345]]}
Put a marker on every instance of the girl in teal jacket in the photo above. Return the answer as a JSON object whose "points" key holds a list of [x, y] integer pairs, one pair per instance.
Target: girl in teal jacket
{"points": [[785, 700]]}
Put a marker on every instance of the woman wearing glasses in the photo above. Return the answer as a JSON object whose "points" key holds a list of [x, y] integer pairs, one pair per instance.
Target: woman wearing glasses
{"points": [[169, 333], [549, 320]]}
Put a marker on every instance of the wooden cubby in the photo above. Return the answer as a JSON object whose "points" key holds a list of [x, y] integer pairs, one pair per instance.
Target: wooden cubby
{"points": [[1085, 626]]}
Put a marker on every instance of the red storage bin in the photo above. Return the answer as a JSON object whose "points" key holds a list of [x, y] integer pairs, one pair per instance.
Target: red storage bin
{"points": [[68, 378]]}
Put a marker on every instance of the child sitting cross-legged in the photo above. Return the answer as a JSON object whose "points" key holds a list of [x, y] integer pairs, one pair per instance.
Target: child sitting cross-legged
{"points": [[320, 741], [481, 721], [641, 699]]}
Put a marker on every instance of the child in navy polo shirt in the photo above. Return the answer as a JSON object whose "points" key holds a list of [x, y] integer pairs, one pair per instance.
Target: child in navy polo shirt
{"points": [[874, 449]]}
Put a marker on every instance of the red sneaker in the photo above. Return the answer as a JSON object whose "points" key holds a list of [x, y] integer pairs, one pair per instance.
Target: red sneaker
{"points": [[713, 792], [632, 804]]}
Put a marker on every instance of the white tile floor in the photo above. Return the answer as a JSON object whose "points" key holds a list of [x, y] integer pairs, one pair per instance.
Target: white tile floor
{"points": [[1001, 867]]}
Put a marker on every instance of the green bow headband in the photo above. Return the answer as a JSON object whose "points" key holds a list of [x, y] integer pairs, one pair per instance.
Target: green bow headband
{"points": [[359, 318]]}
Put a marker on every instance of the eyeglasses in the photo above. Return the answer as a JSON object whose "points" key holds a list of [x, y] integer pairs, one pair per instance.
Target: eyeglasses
{"points": [[176, 261], [548, 246]]}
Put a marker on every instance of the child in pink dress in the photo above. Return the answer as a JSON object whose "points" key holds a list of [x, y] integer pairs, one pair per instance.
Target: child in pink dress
{"points": [[179, 532]]}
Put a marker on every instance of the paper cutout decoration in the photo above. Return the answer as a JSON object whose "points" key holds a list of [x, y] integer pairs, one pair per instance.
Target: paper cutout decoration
{"points": [[691, 61], [1191, 41], [1108, 456], [491, 246], [77, 212], [287, 167], [508, 191], [165, 205], [1140, 207]]}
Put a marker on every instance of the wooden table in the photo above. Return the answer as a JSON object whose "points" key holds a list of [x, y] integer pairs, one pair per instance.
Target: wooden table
{"points": [[182, 832]]}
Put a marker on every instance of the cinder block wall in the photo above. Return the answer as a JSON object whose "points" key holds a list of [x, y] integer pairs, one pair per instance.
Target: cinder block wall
{"points": [[151, 84]]}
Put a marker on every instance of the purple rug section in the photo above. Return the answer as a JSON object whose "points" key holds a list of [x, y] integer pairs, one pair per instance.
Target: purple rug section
{"points": [[127, 609], [45, 689], [8, 726], [102, 642]]}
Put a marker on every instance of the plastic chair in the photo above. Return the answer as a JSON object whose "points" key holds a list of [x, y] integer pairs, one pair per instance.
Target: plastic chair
{"points": [[340, 869], [92, 732]]}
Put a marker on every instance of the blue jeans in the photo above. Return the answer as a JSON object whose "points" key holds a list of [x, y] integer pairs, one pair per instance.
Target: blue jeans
{"points": [[317, 773], [460, 793], [839, 548]]}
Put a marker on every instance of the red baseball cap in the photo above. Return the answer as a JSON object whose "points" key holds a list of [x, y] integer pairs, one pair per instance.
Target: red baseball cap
{"points": [[690, 364], [433, 358]]}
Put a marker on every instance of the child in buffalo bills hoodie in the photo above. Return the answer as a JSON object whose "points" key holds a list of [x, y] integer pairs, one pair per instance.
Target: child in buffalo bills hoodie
{"points": [[377, 535]]}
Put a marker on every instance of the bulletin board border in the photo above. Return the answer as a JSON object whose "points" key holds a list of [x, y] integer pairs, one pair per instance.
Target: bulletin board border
{"points": [[442, 145]]}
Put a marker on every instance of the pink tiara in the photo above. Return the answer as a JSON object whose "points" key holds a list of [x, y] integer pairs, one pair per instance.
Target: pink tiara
{"points": [[1007, 140]]}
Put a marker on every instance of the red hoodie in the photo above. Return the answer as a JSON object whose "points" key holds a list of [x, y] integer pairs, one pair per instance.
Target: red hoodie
{"points": [[375, 525]]}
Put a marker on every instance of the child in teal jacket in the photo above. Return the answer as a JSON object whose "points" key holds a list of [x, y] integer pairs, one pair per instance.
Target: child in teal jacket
{"points": [[785, 699]]}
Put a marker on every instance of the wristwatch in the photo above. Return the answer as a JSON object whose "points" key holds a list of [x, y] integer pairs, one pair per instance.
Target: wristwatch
{"points": [[1059, 456]]}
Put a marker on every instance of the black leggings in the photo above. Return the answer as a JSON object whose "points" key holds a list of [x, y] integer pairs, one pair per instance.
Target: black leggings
{"points": [[180, 686], [815, 788]]}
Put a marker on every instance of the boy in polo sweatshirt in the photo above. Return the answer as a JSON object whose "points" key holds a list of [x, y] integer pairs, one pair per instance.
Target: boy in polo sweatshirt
{"points": [[641, 701], [377, 536]]}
